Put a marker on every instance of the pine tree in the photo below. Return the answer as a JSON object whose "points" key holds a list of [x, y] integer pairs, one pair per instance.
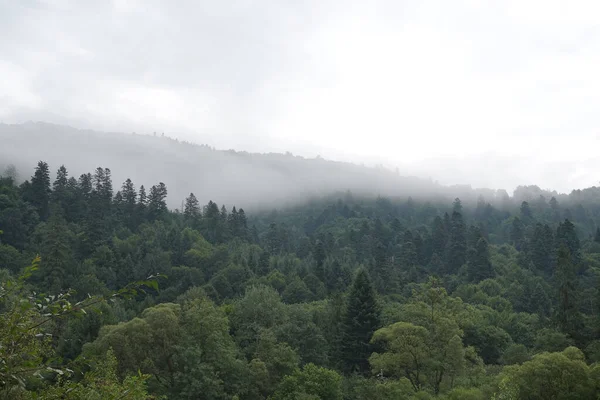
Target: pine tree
{"points": [[479, 266], [129, 195], [59, 187], [233, 222], [409, 258], [516, 233], [542, 248], [597, 236], [361, 319], [192, 207], [56, 254], [565, 280], [319, 256], [565, 234], [39, 195], [157, 201], [526, 214], [457, 243], [457, 206]]}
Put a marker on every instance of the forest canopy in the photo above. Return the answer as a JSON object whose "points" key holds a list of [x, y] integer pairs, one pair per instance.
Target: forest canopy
{"points": [[107, 292]]}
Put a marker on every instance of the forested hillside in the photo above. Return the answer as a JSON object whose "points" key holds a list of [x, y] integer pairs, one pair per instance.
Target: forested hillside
{"points": [[344, 296]]}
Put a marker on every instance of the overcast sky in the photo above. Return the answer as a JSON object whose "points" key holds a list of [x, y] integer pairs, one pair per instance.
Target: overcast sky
{"points": [[493, 93]]}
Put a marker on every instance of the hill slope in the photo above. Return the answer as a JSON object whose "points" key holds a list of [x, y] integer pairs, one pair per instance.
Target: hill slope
{"points": [[228, 176]]}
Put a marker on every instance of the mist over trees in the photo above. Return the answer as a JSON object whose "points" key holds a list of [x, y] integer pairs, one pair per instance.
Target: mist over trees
{"points": [[226, 176], [109, 292]]}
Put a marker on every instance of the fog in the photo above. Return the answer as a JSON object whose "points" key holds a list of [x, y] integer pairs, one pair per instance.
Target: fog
{"points": [[492, 94], [249, 180]]}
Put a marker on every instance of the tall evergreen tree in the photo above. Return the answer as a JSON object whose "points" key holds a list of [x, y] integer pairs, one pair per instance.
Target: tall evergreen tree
{"points": [[439, 236], [59, 187], [516, 233], [457, 243], [541, 248], [361, 319], [566, 234], [319, 256], [56, 254], [129, 195], [479, 266], [526, 214], [39, 193], [157, 201], [191, 209], [565, 280]]}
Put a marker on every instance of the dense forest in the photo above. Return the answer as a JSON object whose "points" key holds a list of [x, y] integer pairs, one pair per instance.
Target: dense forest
{"points": [[108, 293]]}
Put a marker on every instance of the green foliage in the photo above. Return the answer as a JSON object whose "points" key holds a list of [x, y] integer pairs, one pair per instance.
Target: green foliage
{"points": [[361, 319], [562, 375], [310, 382], [477, 298]]}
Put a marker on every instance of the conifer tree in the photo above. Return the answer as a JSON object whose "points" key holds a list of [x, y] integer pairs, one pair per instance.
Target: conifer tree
{"points": [[59, 187], [526, 213], [361, 319], [157, 200], [129, 194], [319, 256], [565, 234], [457, 243], [39, 195], [565, 280], [192, 207], [516, 233], [479, 266]]}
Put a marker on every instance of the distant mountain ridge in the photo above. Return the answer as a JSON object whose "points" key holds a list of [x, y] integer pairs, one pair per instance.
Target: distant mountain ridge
{"points": [[224, 176]]}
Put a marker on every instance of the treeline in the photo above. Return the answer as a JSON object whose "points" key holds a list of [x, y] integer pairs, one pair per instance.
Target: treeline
{"points": [[341, 298]]}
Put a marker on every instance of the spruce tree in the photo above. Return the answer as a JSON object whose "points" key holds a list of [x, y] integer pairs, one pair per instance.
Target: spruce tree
{"points": [[59, 187], [361, 320], [565, 280], [565, 234], [457, 243], [129, 194], [157, 201], [319, 256], [192, 207], [516, 233], [39, 195], [479, 266]]}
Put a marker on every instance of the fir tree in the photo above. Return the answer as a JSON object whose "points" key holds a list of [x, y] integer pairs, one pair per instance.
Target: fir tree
{"points": [[361, 320], [59, 187], [39, 195], [129, 194], [479, 266], [457, 243], [191, 209], [565, 280], [157, 201]]}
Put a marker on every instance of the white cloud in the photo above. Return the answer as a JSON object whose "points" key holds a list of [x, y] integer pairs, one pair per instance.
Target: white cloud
{"points": [[401, 82]]}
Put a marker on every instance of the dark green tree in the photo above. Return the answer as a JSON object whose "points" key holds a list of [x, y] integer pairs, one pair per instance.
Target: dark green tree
{"points": [[479, 266], [566, 234], [39, 190], [361, 320], [526, 214], [457, 243], [191, 209], [157, 201], [565, 280], [60, 188]]}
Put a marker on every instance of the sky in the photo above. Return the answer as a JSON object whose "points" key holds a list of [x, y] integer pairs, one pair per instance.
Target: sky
{"points": [[490, 93]]}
